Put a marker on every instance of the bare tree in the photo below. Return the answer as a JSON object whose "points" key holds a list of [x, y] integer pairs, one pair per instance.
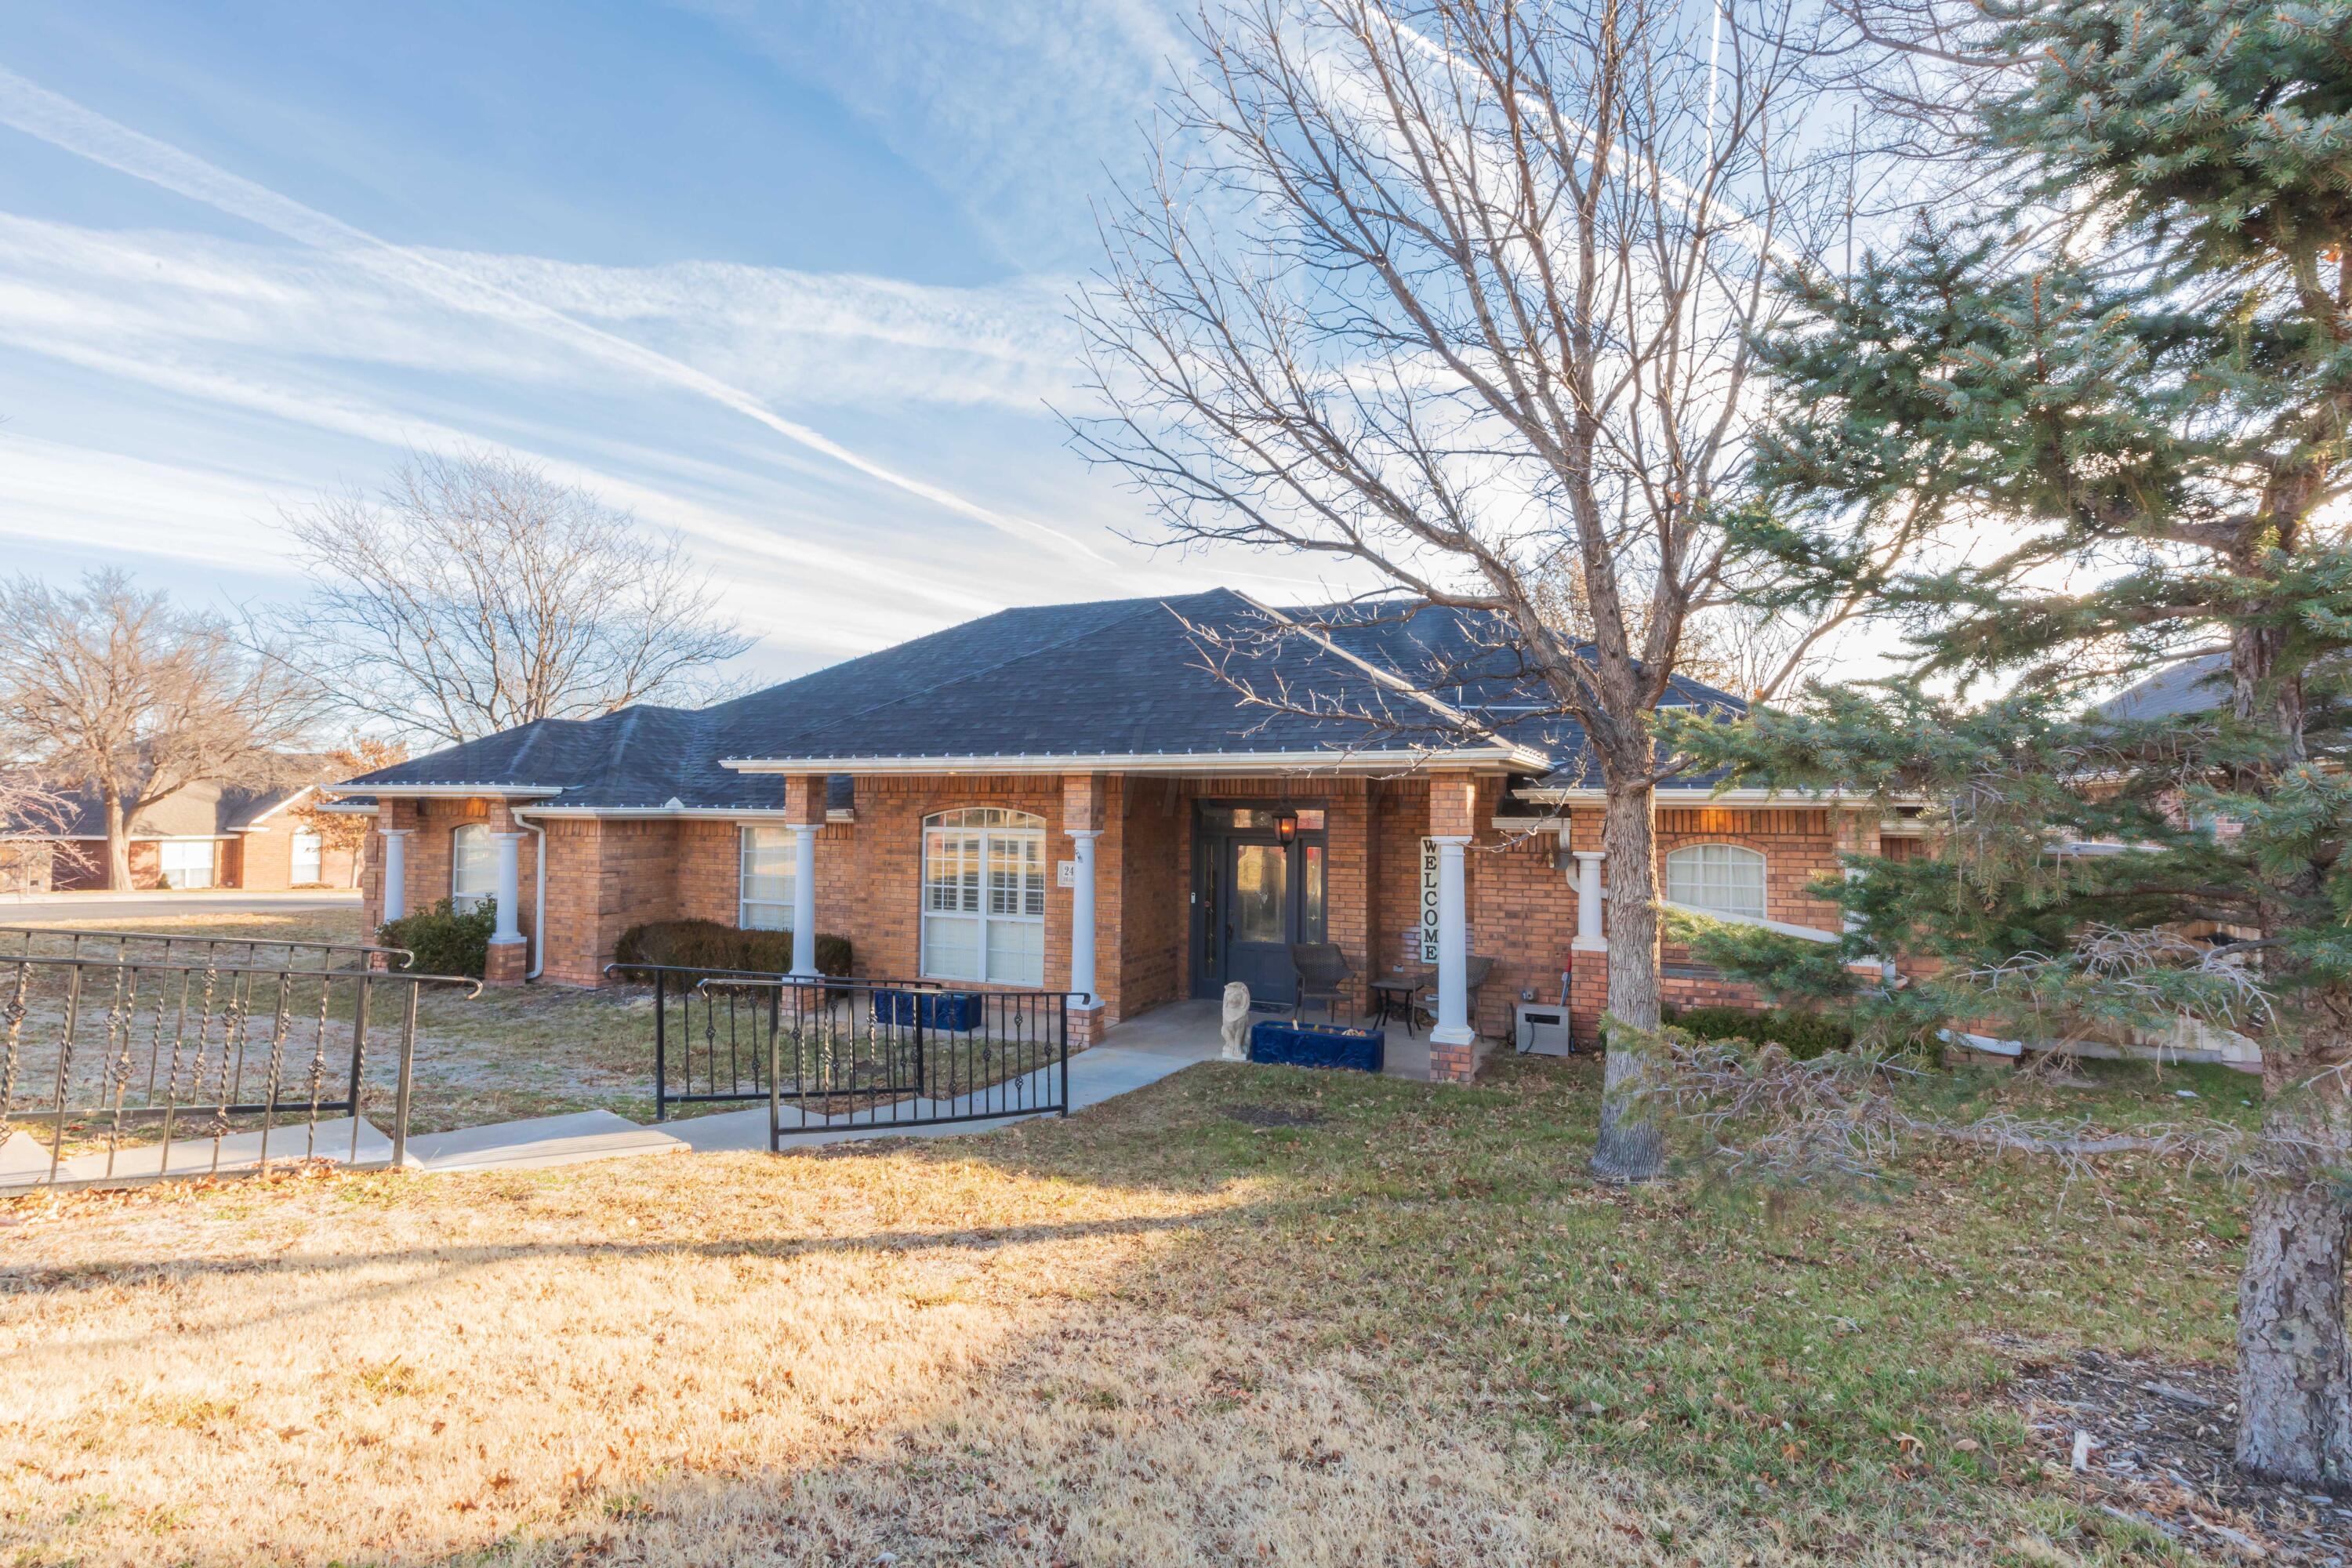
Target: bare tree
{"points": [[1464, 293], [476, 594], [340, 829], [34, 818], [123, 693]]}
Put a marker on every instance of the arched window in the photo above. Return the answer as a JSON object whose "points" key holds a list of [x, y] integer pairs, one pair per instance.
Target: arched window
{"points": [[473, 867], [984, 896], [1721, 879]]}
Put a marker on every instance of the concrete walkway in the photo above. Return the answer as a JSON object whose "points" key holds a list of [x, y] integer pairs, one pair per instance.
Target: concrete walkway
{"points": [[1141, 1051]]}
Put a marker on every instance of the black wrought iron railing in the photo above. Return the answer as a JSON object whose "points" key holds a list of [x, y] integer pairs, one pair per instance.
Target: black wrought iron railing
{"points": [[831, 1054], [116, 1072], [165, 947]]}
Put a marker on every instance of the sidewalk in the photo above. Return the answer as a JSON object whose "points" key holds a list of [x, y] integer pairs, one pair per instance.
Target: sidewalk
{"points": [[542, 1143]]}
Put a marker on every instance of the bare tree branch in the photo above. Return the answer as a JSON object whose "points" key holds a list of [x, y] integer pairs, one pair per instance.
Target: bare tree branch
{"points": [[475, 595]]}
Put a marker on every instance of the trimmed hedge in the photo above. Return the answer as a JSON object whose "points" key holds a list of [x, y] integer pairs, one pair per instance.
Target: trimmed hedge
{"points": [[445, 942], [1803, 1035], [709, 946]]}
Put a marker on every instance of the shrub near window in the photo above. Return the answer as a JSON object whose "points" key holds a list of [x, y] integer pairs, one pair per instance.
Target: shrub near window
{"points": [[1804, 1035], [446, 939], [707, 945]]}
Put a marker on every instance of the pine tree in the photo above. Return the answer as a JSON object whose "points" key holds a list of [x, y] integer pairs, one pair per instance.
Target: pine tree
{"points": [[2109, 418]]}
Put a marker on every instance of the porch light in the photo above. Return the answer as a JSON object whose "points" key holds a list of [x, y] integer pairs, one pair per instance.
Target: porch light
{"points": [[1285, 825]]}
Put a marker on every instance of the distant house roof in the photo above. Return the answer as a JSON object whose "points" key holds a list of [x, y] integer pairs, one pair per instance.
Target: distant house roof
{"points": [[2191, 686], [1136, 683], [209, 809]]}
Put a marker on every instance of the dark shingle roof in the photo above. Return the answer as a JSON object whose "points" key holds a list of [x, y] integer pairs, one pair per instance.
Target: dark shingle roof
{"points": [[1115, 678], [206, 808], [2192, 685]]}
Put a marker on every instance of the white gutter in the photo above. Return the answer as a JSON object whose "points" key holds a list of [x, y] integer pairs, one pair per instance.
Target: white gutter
{"points": [[1810, 934], [1698, 795], [1225, 763], [681, 813], [539, 910], [448, 791]]}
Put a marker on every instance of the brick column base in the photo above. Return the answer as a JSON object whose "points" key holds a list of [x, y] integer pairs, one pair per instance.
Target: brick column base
{"points": [[1452, 1064], [1587, 997], [508, 962], [1087, 1026]]}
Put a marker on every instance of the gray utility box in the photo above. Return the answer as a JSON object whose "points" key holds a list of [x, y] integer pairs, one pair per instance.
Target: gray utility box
{"points": [[1543, 1029]]}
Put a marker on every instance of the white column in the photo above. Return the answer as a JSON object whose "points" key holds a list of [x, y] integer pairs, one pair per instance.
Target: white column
{"points": [[395, 872], [1453, 945], [804, 898], [1589, 937], [509, 927], [1082, 918]]}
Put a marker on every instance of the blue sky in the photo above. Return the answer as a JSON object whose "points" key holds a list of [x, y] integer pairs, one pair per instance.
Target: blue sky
{"points": [[787, 278]]}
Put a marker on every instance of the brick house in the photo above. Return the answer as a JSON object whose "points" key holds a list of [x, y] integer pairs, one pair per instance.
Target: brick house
{"points": [[214, 832], [1072, 797]]}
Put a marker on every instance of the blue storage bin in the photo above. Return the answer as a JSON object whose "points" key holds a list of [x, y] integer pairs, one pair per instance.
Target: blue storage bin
{"points": [[954, 1012], [1317, 1045]]}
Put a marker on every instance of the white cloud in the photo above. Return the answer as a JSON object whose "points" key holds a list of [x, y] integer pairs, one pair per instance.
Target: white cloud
{"points": [[65, 124]]}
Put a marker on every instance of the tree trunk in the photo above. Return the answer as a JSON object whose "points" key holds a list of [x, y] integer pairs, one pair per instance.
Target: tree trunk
{"points": [[2295, 1362], [1632, 1145], [118, 843]]}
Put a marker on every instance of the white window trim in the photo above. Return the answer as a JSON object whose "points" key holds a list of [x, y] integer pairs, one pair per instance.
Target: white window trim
{"points": [[744, 904], [464, 900], [294, 855], [1031, 828], [1763, 881], [211, 858]]}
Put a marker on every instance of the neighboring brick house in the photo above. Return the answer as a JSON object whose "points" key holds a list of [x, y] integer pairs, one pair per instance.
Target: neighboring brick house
{"points": [[214, 832], [1069, 797]]}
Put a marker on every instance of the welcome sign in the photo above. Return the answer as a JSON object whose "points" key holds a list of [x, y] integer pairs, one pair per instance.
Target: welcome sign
{"points": [[1428, 901]]}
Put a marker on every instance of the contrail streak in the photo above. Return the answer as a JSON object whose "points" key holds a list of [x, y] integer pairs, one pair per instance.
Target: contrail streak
{"points": [[59, 121]]}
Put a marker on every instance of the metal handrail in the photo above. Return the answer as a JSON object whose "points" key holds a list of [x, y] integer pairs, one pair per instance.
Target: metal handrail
{"points": [[121, 1044], [174, 966], [76, 935]]}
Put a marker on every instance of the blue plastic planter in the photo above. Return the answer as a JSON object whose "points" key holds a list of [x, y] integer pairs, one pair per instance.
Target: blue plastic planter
{"points": [[954, 1012], [1317, 1045]]}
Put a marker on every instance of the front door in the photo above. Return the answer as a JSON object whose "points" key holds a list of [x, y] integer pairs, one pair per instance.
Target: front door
{"points": [[1253, 896], [1256, 923]]}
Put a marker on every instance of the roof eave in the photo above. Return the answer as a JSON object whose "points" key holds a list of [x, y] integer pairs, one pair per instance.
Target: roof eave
{"points": [[676, 813], [1499, 758], [447, 790], [1700, 794]]}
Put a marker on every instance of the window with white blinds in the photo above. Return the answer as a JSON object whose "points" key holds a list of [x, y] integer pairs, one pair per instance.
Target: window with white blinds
{"points": [[984, 896], [1721, 879], [770, 858]]}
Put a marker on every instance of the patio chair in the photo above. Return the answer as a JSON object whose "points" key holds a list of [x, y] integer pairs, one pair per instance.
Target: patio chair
{"points": [[1324, 973], [1474, 971]]}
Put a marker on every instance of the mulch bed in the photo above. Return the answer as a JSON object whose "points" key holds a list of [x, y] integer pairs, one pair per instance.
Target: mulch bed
{"points": [[2160, 1456]]}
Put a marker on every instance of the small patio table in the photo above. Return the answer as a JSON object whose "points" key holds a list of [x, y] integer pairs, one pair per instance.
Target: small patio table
{"points": [[1392, 997]]}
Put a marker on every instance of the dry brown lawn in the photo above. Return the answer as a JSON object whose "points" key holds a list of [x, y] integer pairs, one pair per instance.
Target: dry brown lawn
{"points": [[730, 1360], [1249, 1315]]}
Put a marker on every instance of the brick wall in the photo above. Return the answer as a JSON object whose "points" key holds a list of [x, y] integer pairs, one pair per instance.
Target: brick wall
{"points": [[1152, 901], [606, 876], [146, 866]]}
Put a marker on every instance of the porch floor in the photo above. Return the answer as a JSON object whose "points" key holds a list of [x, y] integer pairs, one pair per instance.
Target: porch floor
{"points": [[1190, 1028]]}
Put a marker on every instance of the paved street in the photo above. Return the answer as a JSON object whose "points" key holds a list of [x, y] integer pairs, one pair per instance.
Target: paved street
{"points": [[35, 909]]}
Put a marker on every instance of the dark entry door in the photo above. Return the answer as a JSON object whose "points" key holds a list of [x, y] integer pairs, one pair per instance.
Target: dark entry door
{"points": [[1257, 921]]}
